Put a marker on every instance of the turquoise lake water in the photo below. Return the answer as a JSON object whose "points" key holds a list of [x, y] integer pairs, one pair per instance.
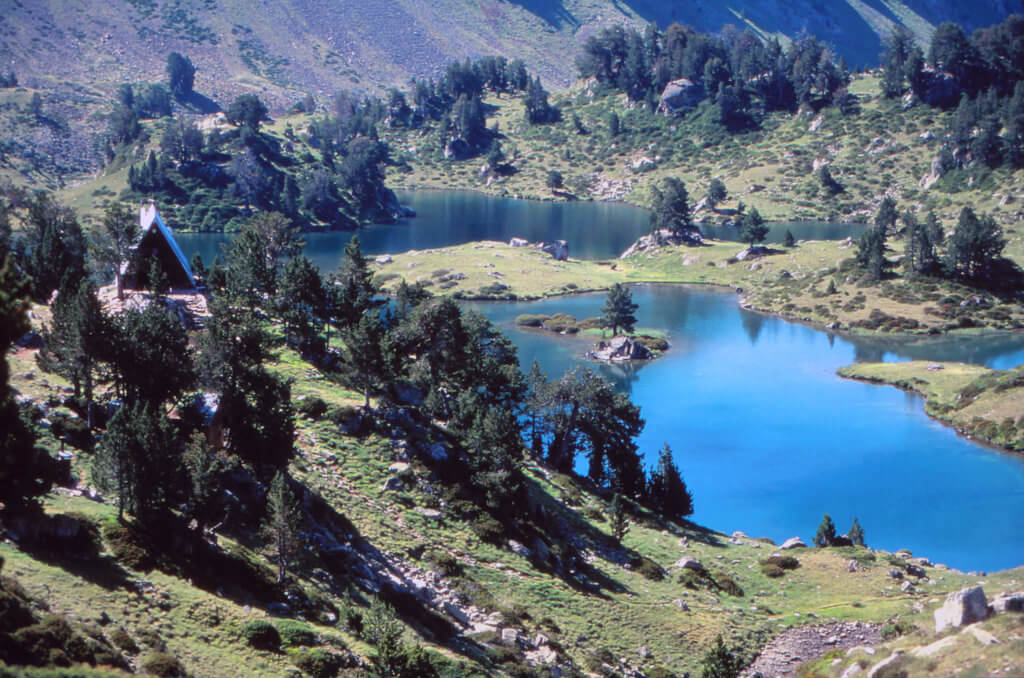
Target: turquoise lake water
{"points": [[767, 436]]}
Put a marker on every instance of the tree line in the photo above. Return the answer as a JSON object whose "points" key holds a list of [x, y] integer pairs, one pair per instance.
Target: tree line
{"points": [[972, 253], [735, 71], [981, 75]]}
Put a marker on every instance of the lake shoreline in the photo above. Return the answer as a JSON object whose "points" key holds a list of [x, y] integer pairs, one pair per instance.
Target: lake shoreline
{"points": [[942, 402]]}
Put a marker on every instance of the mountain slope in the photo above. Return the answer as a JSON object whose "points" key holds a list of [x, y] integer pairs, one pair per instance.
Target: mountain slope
{"points": [[318, 46]]}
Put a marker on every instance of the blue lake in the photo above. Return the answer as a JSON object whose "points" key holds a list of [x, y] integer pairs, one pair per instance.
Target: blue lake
{"points": [[768, 437]]}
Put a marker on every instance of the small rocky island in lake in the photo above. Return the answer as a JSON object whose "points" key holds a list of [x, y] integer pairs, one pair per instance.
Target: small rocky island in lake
{"points": [[639, 346]]}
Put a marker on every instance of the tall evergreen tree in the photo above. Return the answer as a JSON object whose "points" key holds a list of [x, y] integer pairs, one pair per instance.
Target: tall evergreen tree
{"points": [[283, 522], [976, 244], [180, 75], [619, 521], [619, 310], [753, 230], [671, 208], [666, 490], [255, 404], [77, 340], [54, 246], [856, 533], [115, 240], [26, 471], [152, 358], [353, 292], [826, 534], [137, 459]]}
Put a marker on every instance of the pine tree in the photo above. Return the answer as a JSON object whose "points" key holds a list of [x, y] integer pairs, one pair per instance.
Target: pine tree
{"points": [[619, 521], [364, 355], [720, 662], [871, 252], [667, 491], [354, 291], [975, 246], [826, 533], [856, 533], [115, 241], [752, 227], [77, 340], [789, 240], [283, 522], [619, 310], [26, 472], [384, 632], [137, 459], [671, 209]]}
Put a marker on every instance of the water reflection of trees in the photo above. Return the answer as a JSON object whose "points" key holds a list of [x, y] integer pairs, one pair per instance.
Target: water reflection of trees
{"points": [[621, 374], [753, 323], [978, 349]]}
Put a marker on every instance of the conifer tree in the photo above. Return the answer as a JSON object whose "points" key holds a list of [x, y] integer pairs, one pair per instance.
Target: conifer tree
{"points": [[671, 208], [826, 533], [753, 228], [115, 240], [283, 521], [619, 521], [137, 460], [720, 662], [856, 533], [667, 491], [26, 472], [619, 310], [789, 240], [77, 340]]}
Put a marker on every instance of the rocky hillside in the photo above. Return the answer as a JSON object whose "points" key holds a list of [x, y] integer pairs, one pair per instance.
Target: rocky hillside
{"points": [[292, 46]]}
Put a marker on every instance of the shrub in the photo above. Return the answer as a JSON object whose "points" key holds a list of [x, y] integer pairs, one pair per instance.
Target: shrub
{"points": [[128, 546], [124, 641], [728, 585], [445, 563], [262, 635], [530, 320], [312, 407], [296, 633], [318, 663], [163, 665], [660, 672], [652, 343], [487, 529], [896, 629], [772, 571], [783, 562], [649, 569]]}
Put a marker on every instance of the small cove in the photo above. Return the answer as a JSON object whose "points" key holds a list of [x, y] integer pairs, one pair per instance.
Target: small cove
{"points": [[767, 436]]}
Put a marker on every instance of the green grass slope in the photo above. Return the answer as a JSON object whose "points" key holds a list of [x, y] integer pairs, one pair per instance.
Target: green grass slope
{"points": [[622, 607]]}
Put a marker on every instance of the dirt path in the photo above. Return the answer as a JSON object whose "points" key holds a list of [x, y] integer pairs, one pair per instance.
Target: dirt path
{"points": [[783, 655]]}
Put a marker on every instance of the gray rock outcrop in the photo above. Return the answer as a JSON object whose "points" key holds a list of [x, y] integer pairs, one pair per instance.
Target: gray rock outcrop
{"points": [[793, 543], [1008, 602], [679, 95], [619, 348], [961, 608]]}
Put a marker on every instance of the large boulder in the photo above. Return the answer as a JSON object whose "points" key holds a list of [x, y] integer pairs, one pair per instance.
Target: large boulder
{"points": [[941, 89], [620, 348], [558, 249], [679, 95], [689, 563], [793, 543], [961, 608], [1008, 602]]}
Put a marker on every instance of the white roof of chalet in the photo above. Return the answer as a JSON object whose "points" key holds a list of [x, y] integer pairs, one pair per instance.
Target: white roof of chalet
{"points": [[148, 217]]}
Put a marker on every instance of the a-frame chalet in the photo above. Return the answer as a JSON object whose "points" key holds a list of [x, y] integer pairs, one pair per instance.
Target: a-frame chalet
{"points": [[157, 240]]}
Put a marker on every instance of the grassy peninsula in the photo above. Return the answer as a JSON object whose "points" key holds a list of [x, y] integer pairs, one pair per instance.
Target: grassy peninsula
{"points": [[792, 282]]}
